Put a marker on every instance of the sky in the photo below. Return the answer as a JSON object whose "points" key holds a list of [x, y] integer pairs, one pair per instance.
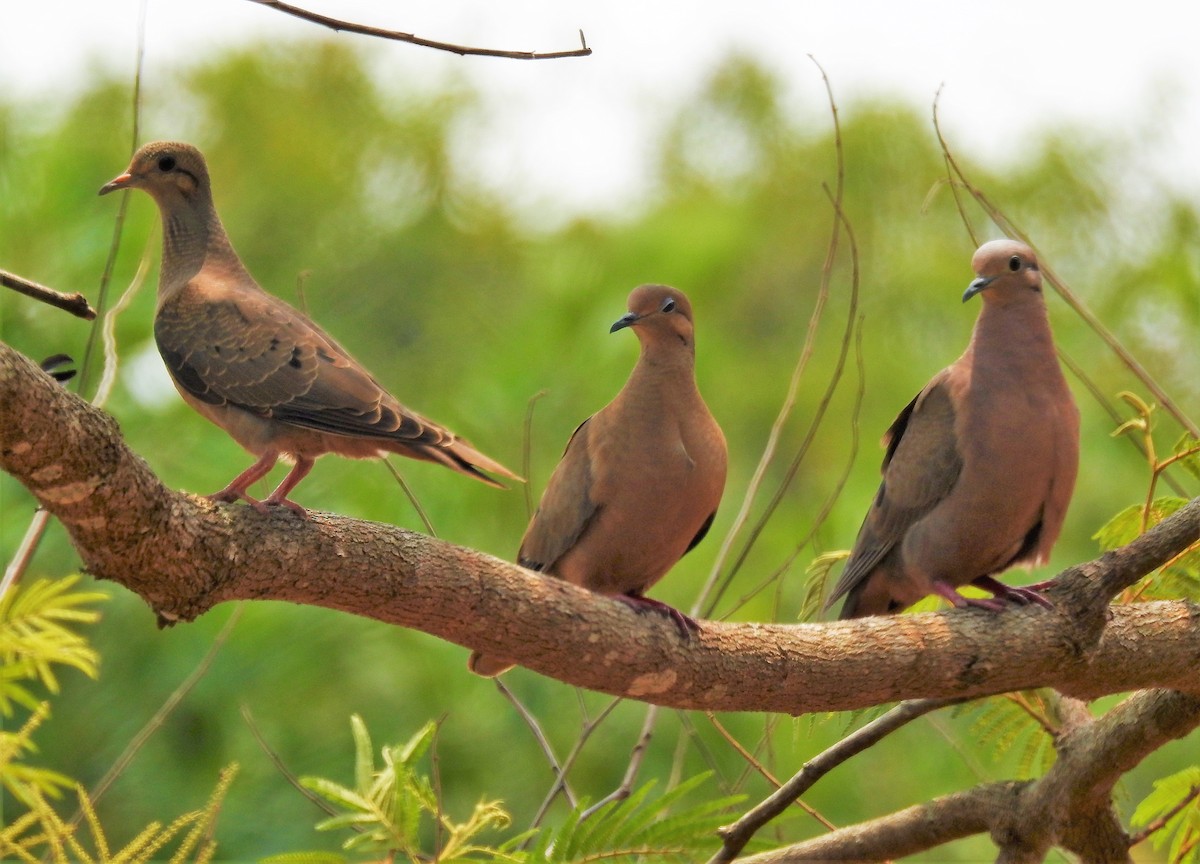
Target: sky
{"points": [[1008, 70]]}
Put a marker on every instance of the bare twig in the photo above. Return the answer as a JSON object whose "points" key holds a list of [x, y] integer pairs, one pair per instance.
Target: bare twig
{"points": [[1077, 305], [1161, 822], [636, 758], [75, 303], [585, 733], [291, 778], [737, 835], [707, 599], [412, 496], [398, 36], [527, 452], [29, 543], [762, 769], [542, 740], [160, 716]]}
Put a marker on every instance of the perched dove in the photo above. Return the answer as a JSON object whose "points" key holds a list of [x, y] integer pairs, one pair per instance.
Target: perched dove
{"points": [[639, 483], [259, 369], [980, 466]]}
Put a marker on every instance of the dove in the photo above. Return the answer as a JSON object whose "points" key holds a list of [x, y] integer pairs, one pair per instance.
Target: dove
{"points": [[980, 466], [277, 383], [639, 483]]}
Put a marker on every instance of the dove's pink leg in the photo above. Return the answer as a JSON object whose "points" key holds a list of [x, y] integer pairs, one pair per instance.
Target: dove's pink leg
{"points": [[236, 490]]}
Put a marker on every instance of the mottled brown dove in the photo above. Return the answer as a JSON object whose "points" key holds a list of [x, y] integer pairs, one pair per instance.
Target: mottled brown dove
{"points": [[639, 483], [259, 369], [980, 466]]}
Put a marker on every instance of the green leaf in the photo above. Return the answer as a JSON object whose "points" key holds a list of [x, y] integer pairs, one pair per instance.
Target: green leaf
{"points": [[1183, 828], [337, 794], [305, 858], [364, 755], [817, 577]]}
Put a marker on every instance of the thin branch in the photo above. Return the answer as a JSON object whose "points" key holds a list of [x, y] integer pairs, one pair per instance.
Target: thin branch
{"points": [[286, 772], [75, 303], [165, 710], [635, 765], [411, 495], [338, 25], [1077, 305], [527, 451], [707, 598], [542, 740], [737, 835], [585, 733], [1161, 822], [762, 769]]}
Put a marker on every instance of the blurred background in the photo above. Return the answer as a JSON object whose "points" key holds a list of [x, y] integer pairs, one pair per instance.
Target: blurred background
{"points": [[469, 228]]}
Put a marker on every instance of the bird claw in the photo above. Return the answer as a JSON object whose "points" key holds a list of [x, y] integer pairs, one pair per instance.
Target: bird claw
{"points": [[958, 601], [1022, 596], [230, 495], [284, 502], [684, 623]]}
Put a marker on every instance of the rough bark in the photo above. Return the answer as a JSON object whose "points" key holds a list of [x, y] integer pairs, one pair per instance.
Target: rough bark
{"points": [[184, 554]]}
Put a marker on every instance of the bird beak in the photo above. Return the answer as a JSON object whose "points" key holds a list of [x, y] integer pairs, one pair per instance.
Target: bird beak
{"points": [[121, 182], [624, 321], [975, 287]]}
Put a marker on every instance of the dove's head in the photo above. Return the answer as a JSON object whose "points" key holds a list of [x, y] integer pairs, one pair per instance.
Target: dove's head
{"points": [[659, 315], [168, 170], [1006, 270]]}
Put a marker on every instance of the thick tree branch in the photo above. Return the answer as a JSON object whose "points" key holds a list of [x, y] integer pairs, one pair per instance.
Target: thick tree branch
{"points": [[1071, 806], [183, 555], [338, 25]]}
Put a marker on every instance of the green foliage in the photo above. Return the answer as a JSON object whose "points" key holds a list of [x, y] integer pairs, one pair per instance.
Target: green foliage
{"points": [[637, 828], [34, 637], [27, 782], [1173, 808], [1179, 577], [1019, 723], [390, 808], [42, 834], [817, 578]]}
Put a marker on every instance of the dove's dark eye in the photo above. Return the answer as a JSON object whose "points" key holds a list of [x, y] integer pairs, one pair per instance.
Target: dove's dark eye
{"points": [[668, 305], [166, 163], [1014, 263]]}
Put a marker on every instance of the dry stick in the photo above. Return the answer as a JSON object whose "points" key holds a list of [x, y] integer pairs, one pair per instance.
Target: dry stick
{"points": [[527, 452], [395, 35], [836, 493], [284, 770], [762, 769], [737, 835], [789, 402], [636, 757], [164, 711], [1077, 305], [541, 739], [75, 303], [584, 734], [412, 497]]}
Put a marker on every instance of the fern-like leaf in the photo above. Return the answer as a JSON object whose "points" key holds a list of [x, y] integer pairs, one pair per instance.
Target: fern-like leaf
{"points": [[816, 579], [1180, 828]]}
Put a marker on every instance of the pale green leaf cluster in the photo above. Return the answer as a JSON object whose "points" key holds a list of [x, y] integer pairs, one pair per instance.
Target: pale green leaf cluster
{"points": [[1179, 578], [36, 635], [41, 834], [817, 578], [638, 828], [392, 808], [1022, 723], [1175, 804]]}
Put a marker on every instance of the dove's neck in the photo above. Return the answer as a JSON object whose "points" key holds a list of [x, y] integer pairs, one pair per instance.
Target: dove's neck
{"points": [[193, 240], [667, 370], [1016, 333]]}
